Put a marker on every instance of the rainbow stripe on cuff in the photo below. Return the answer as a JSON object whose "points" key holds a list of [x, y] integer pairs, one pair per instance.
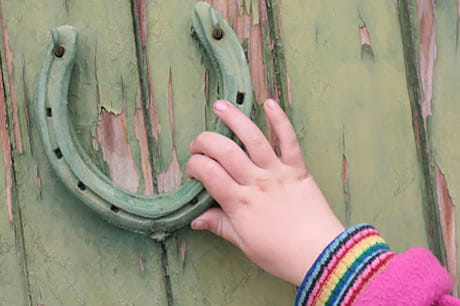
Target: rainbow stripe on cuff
{"points": [[344, 267]]}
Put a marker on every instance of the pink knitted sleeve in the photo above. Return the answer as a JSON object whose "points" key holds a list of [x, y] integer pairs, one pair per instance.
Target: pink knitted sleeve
{"points": [[358, 268], [414, 277]]}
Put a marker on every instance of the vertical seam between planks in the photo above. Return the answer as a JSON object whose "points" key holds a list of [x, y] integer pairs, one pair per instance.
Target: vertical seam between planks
{"points": [[279, 60], [18, 228], [410, 38], [166, 278], [143, 80]]}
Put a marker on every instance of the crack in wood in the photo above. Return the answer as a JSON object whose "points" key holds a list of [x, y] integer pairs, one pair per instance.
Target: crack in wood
{"points": [[150, 111], [12, 91], [458, 27], [345, 183], [141, 135], [6, 151], [448, 222], [171, 178], [410, 27], [9, 185], [166, 277]]}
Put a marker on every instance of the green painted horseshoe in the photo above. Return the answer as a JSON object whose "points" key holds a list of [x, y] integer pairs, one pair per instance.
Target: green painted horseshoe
{"points": [[157, 215]]}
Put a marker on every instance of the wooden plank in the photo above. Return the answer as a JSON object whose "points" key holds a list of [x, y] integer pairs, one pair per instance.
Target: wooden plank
{"points": [[73, 257], [205, 270], [12, 278], [444, 124], [352, 113], [210, 271]]}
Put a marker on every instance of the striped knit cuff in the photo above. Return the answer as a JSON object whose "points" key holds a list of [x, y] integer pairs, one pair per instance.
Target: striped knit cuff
{"points": [[345, 266]]}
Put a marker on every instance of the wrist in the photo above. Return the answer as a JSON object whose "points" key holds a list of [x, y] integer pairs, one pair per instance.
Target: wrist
{"points": [[344, 267]]}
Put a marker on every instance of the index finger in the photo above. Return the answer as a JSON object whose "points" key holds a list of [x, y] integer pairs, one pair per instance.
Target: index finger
{"points": [[257, 145]]}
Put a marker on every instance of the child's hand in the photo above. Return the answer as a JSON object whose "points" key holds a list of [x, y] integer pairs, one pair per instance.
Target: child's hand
{"points": [[272, 208]]}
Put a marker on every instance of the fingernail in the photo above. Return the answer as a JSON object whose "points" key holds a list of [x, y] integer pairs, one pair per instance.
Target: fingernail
{"points": [[220, 106], [198, 224], [271, 104]]}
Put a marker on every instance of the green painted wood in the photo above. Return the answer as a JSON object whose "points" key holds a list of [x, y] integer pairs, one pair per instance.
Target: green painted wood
{"points": [[158, 215], [73, 257], [141, 93], [12, 279], [352, 113], [444, 122], [203, 270]]}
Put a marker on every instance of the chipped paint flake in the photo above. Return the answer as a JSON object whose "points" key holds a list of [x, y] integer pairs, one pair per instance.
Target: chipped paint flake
{"points": [[427, 49], [145, 74], [365, 40], [6, 152], [458, 25], [141, 135], [9, 68], [344, 170], [448, 223], [288, 82], [141, 264], [183, 251], [112, 135], [171, 178]]}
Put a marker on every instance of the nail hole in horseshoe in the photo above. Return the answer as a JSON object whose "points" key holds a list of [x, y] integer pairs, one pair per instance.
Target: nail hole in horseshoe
{"points": [[240, 98], [59, 52], [217, 34], [194, 201], [81, 186], [114, 209], [58, 153], [49, 112]]}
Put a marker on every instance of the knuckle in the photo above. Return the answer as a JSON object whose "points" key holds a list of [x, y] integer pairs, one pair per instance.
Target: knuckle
{"points": [[228, 153], [208, 166], [203, 137], [256, 141], [192, 164], [219, 228], [293, 143]]}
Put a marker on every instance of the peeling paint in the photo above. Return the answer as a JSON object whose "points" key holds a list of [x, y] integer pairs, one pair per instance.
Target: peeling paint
{"points": [[183, 251], [411, 28], [39, 183], [9, 68], [141, 264], [26, 104], [112, 135], [365, 39], [448, 222], [346, 184], [145, 75], [345, 173], [427, 53], [141, 135], [256, 64], [206, 85], [279, 61], [6, 151], [288, 83], [458, 25], [171, 178], [171, 107]]}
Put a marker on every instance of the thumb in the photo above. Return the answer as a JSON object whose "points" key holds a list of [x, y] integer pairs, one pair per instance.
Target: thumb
{"points": [[217, 222]]}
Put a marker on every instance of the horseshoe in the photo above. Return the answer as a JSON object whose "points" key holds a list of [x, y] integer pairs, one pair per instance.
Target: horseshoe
{"points": [[158, 215]]}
